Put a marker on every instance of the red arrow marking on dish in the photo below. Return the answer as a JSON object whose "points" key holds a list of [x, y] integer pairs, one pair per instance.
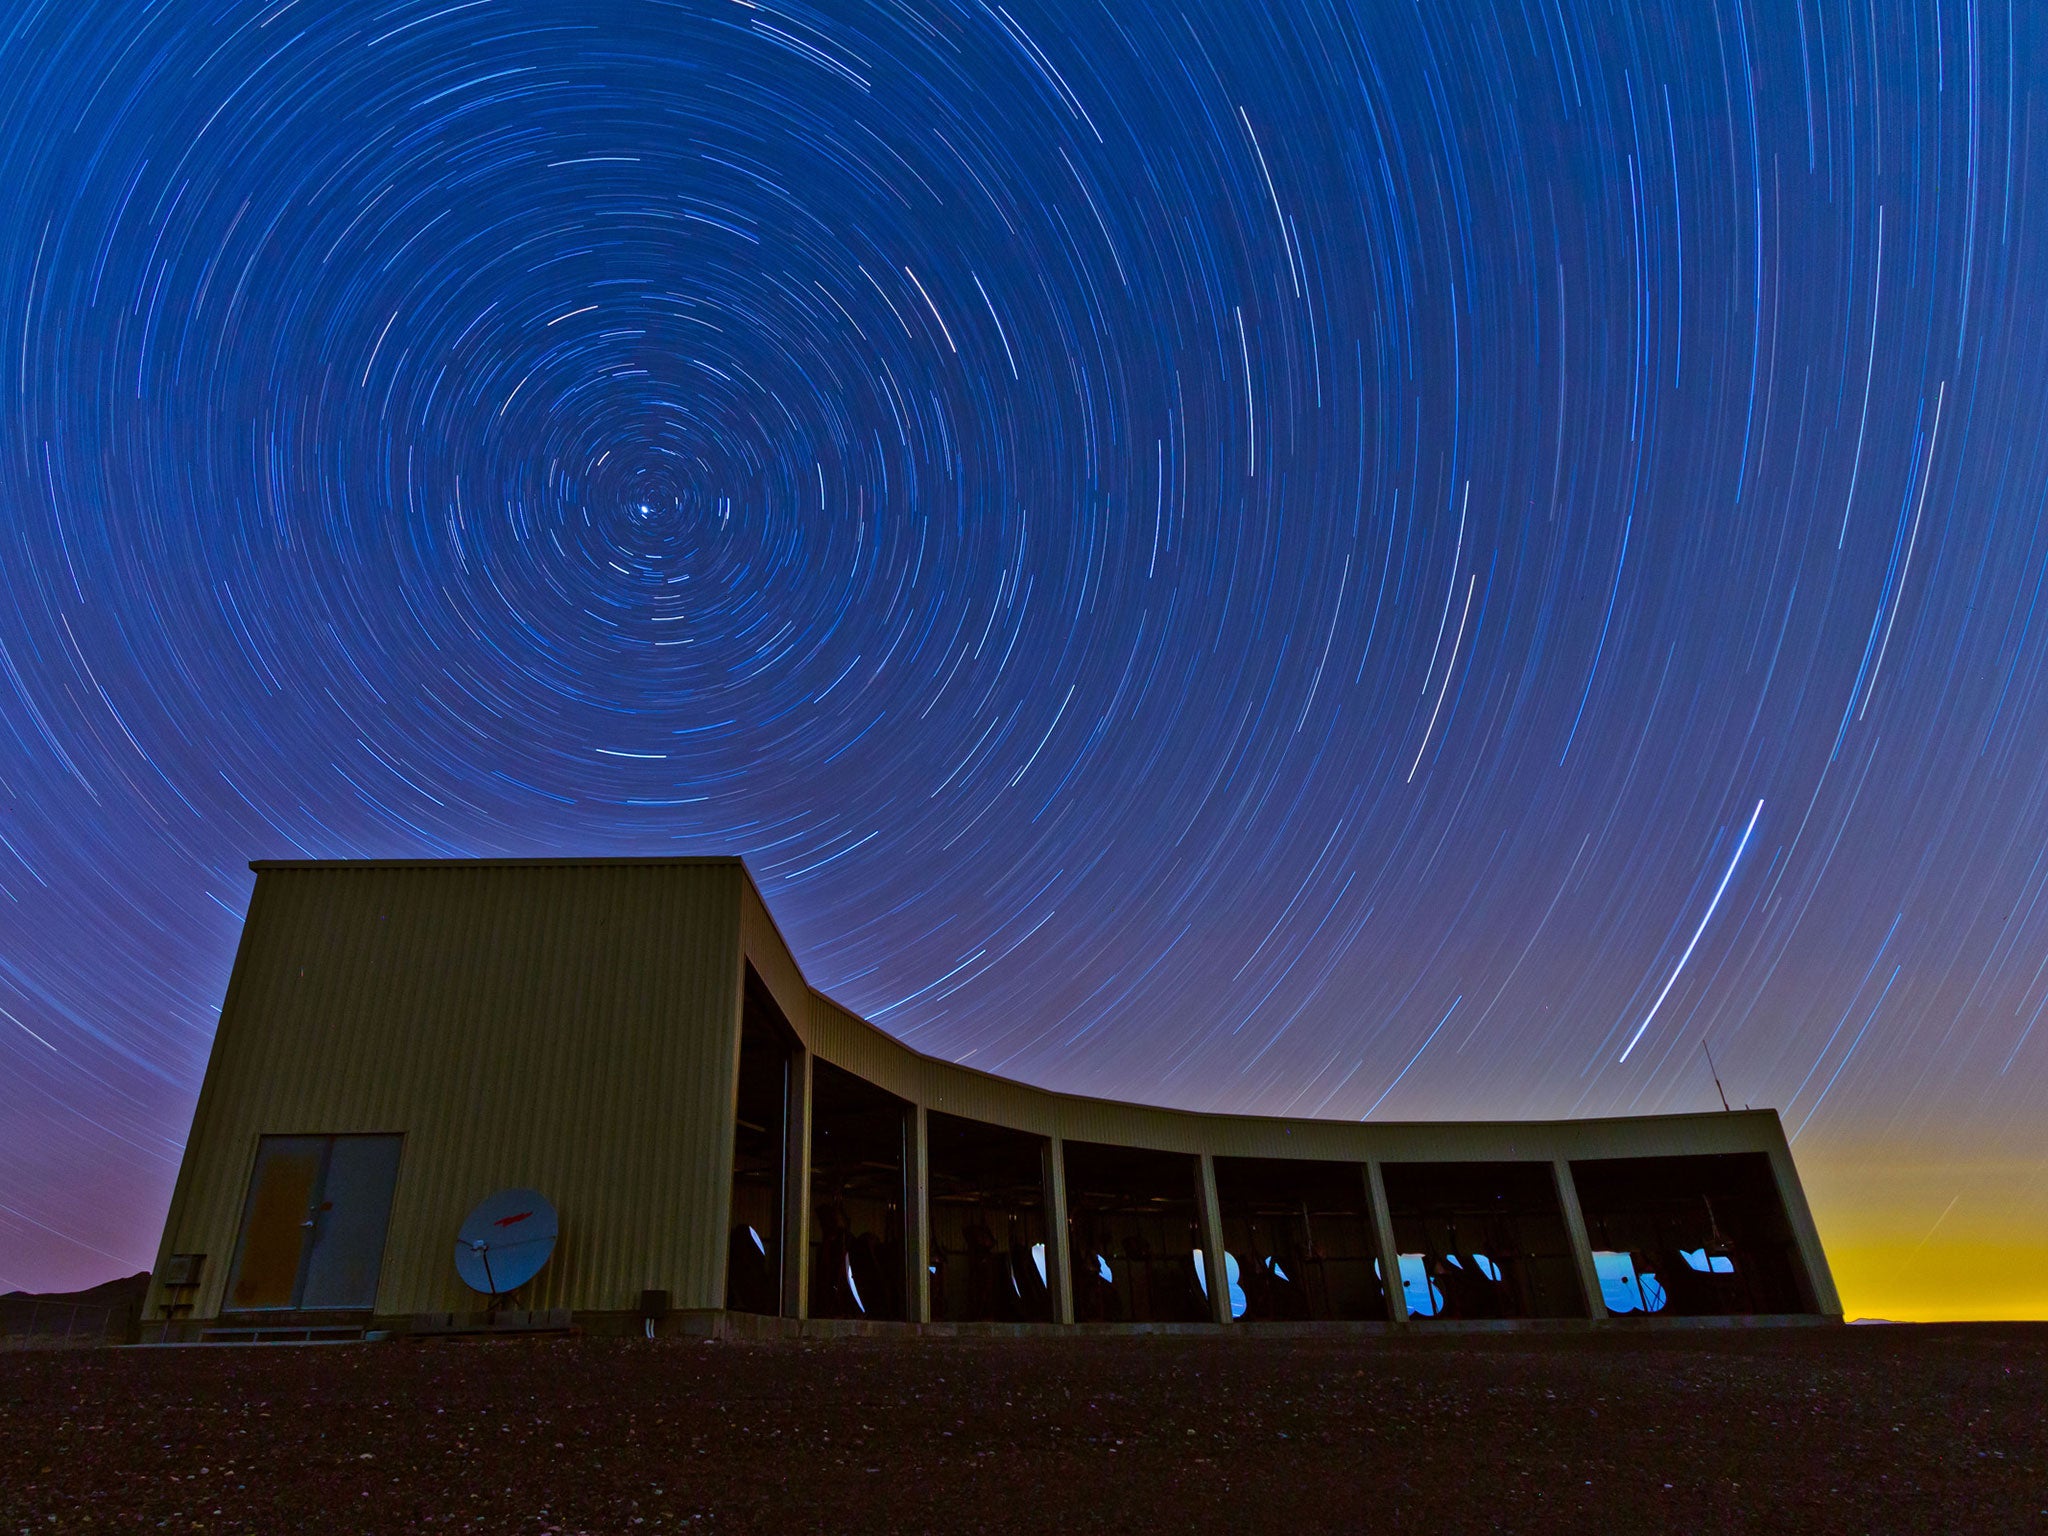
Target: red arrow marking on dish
{"points": [[506, 1221]]}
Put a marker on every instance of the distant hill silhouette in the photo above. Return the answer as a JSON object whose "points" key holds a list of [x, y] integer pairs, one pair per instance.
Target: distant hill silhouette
{"points": [[103, 1311]]}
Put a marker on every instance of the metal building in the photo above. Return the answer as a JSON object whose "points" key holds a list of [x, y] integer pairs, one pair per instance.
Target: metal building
{"points": [[730, 1150]]}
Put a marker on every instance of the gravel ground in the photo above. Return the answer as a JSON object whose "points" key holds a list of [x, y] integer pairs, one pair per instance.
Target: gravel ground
{"points": [[1848, 1429]]}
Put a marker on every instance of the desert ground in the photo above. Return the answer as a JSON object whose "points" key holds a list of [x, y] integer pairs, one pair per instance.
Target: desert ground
{"points": [[1837, 1429]]}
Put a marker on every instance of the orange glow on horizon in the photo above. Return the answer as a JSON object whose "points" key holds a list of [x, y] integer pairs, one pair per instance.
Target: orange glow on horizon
{"points": [[1943, 1236]]}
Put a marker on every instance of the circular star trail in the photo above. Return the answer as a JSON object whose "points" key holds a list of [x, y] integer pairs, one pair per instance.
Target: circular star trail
{"points": [[1374, 560]]}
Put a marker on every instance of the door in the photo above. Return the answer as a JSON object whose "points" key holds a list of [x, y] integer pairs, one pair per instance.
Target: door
{"points": [[312, 1234]]}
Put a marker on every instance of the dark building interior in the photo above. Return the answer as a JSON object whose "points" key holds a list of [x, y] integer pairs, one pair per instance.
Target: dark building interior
{"points": [[1300, 1235], [1134, 1238], [753, 1273], [858, 1267], [987, 1203], [1690, 1236], [1482, 1240]]}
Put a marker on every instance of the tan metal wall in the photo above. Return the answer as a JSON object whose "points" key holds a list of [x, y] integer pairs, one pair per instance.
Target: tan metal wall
{"points": [[844, 1039], [570, 1026]]}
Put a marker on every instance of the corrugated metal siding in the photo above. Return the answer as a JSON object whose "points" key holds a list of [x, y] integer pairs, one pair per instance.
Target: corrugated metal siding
{"points": [[568, 1026], [846, 1040], [771, 958]]}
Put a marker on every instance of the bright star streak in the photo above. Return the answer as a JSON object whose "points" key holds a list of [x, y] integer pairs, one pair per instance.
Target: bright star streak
{"points": [[1707, 918]]}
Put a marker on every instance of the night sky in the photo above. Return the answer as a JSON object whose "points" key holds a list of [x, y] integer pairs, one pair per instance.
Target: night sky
{"points": [[1384, 561]]}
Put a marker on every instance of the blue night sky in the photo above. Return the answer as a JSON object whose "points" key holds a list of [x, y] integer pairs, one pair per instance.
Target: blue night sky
{"points": [[1391, 560]]}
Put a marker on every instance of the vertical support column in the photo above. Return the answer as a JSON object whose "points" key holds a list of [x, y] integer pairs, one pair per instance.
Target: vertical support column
{"points": [[1582, 1246], [796, 1187], [1213, 1259], [1816, 1280], [1383, 1240], [917, 1218], [1059, 1271]]}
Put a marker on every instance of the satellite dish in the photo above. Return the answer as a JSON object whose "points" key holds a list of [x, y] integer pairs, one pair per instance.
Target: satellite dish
{"points": [[505, 1241]]}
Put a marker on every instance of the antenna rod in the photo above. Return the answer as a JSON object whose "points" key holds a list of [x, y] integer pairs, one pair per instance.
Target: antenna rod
{"points": [[1717, 1076]]}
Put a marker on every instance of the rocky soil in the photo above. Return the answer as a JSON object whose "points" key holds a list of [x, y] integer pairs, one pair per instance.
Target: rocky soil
{"points": [[1847, 1429]]}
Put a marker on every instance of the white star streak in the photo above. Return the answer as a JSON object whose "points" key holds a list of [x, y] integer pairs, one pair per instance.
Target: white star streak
{"points": [[1726, 876]]}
